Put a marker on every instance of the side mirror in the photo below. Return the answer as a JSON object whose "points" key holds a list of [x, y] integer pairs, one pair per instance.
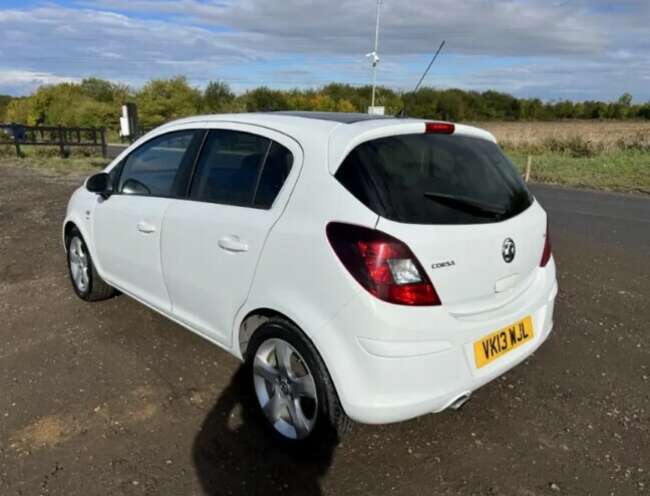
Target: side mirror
{"points": [[101, 184]]}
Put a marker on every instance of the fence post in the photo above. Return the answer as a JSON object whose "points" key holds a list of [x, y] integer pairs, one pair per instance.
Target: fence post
{"points": [[104, 147], [529, 164], [61, 142], [16, 142]]}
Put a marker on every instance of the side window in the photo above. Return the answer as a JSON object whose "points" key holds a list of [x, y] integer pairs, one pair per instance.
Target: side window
{"points": [[276, 169], [229, 167], [153, 168]]}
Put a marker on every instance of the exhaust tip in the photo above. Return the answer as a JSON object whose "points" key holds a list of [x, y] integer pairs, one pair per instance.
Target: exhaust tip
{"points": [[460, 401]]}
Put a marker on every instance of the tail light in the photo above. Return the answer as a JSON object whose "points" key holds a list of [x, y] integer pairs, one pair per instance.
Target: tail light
{"points": [[382, 264], [546, 254]]}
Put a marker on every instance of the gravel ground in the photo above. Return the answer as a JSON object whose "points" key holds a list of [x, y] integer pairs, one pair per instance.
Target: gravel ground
{"points": [[111, 398]]}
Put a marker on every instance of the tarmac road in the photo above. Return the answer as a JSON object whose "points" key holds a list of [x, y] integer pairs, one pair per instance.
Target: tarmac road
{"points": [[110, 398]]}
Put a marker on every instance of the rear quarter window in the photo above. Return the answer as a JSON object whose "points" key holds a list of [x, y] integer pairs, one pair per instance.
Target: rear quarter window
{"points": [[435, 179], [276, 170]]}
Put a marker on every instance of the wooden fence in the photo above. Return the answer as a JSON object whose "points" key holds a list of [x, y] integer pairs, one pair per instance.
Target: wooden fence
{"points": [[61, 137]]}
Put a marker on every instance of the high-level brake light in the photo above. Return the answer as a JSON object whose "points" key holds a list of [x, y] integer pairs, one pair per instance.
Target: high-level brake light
{"points": [[439, 128]]}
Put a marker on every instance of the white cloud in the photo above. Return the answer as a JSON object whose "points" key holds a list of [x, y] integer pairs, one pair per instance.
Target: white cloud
{"points": [[595, 79], [80, 43], [20, 77], [30, 80], [477, 27]]}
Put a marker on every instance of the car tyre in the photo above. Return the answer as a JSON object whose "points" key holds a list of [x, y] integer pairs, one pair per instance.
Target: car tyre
{"points": [[309, 394], [86, 282]]}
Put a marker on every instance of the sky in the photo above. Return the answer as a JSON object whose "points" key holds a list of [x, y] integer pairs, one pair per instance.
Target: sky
{"points": [[550, 49]]}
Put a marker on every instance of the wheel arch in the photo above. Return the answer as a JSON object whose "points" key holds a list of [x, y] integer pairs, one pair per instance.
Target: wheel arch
{"points": [[256, 316], [68, 226], [73, 222], [252, 321], [314, 320]]}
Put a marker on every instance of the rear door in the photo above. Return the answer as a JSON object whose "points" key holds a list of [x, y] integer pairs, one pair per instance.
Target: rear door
{"points": [[127, 225], [460, 206], [213, 239]]}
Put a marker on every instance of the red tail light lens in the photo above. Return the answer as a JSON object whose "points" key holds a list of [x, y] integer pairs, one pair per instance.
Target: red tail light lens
{"points": [[439, 128], [382, 264], [546, 254]]}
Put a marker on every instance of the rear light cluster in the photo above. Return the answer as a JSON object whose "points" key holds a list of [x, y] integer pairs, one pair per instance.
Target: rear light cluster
{"points": [[382, 264], [546, 254]]}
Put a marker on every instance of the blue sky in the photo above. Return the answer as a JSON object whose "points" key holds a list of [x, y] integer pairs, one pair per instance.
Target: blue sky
{"points": [[551, 49]]}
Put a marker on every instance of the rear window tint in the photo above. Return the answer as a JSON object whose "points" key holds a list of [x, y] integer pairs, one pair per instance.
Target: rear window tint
{"points": [[435, 179], [228, 167]]}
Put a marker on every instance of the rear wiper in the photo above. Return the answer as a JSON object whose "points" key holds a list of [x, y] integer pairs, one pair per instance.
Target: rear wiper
{"points": [[467, 203]]}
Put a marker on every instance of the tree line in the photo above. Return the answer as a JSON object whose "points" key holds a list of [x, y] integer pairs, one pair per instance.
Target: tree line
{"points": [[97, 103]]}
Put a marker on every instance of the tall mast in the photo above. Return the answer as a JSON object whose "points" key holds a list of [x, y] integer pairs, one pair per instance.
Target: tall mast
{"points": [[375, 56]]}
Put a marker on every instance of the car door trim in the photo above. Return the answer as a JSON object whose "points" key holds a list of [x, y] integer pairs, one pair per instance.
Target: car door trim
{"points": [[190, 180]]}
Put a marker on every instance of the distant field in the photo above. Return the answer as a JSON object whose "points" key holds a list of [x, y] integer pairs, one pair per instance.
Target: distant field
{"points": [[612, 155], [577, 137]]}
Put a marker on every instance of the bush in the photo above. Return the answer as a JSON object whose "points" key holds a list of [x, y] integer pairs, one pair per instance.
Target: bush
{"points": [[575, 146], [637, 141], [163, 100]]}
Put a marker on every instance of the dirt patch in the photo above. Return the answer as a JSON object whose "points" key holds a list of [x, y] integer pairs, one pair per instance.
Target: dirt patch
{"points": [[44, 433], [126, 410]]}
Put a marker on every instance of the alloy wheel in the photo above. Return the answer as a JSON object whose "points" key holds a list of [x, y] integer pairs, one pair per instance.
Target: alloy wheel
{"points": [[79, 264], [285, 388]]}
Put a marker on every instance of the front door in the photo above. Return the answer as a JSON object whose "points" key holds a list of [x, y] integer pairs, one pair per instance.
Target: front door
{"points": [[127, 225]]}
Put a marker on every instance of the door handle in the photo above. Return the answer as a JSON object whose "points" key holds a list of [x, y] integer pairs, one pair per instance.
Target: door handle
{"points": [[232, 244], [145, 227]]}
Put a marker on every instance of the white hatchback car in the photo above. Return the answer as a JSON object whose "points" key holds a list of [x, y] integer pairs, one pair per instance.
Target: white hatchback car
{"points": [[365, 268]]}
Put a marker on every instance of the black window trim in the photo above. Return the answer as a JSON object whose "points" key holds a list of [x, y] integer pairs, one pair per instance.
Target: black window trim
{"points": [[190, 180], [260, 172]]}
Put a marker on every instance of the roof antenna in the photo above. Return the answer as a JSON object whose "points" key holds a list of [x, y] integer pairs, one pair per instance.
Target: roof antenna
{"points": [[402, 113]]}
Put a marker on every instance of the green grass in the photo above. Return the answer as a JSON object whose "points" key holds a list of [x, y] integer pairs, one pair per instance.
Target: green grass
{"points": [[621, 170], [49, 159]]}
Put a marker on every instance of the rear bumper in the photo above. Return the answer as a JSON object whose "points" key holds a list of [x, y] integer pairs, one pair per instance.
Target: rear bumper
{"points": [[408, 362]]}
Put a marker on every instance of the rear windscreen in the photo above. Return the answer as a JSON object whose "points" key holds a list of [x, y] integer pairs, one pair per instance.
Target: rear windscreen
{"points": [[435, 179]]}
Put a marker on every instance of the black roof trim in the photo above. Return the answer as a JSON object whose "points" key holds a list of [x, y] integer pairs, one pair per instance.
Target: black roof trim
{"points": [[342, 117]]}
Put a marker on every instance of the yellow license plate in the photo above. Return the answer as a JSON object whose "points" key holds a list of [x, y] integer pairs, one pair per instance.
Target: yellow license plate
{"points": [[495, 345]]}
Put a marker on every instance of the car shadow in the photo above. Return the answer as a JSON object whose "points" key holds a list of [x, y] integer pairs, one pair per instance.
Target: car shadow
{"points": [[235, 454]]}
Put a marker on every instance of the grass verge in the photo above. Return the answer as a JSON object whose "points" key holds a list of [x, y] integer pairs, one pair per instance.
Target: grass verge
{"points": [[624, 170], [49, 160]]}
